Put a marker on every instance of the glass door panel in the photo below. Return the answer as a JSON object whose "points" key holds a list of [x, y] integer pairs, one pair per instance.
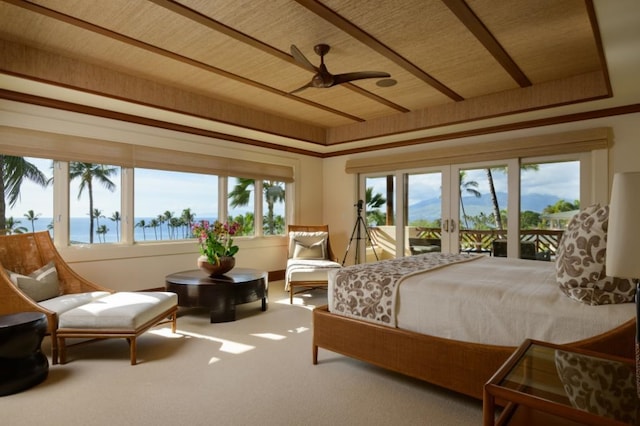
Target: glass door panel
{"points": [[549, 197], [423, 213], [483, 195], [374, 234]]}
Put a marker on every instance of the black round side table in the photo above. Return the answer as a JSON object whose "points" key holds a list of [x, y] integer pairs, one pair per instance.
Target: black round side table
{"points": [[22, 363]]}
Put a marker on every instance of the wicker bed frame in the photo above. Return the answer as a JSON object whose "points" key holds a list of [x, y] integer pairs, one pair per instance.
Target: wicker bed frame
{"points": [[459, 366]]}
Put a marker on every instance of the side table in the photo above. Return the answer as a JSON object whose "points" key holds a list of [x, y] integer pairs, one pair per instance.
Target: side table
{"points": [[22, 363], [544, 383]]}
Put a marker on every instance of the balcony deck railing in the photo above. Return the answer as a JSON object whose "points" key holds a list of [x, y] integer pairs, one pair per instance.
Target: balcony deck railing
{"points": [[544, 240], [541, 244]]}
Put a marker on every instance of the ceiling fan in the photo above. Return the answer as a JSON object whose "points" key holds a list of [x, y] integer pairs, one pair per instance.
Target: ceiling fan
{"points": [[323, 78]]}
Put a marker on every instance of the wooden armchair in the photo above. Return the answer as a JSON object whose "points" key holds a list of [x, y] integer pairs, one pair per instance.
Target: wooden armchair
{"points": [[25, 253], [310, 258]]}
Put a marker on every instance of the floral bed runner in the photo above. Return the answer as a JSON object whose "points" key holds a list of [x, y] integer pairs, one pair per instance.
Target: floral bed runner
{"points": [[368, 291]]}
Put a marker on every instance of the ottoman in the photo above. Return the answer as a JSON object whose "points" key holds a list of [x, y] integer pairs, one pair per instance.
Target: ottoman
{"points": [[119, 315], [22, 363]]}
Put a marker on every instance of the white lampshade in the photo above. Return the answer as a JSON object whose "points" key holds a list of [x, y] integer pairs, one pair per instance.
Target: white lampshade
{"points": [[623, 236]]}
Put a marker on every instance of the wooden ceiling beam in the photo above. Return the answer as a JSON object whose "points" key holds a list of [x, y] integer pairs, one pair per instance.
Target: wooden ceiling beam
{"points": [[204, 20], [171, 55], [218, 26], [370, 41], [464, 13]]}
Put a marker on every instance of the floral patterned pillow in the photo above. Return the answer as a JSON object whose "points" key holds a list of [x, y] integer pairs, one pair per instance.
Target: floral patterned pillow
{"points": [[599, 386], [580, 261]]}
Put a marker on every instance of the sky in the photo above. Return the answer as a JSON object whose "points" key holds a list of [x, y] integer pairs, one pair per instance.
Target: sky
{"points": [[560, 179], [159, 191], [155, 192]]}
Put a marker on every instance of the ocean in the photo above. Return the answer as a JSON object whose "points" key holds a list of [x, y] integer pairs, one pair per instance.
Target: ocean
{"points": [[79, 230]]}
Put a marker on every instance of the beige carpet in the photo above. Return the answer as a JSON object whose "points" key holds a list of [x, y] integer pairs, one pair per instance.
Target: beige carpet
{"points": [[256, 370]]}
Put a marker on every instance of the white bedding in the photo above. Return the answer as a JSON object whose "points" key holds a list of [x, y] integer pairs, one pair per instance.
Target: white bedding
{"points": [[499, 301]]}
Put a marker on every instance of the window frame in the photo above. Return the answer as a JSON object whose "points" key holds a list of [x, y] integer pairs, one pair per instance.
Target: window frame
{"points": [[594, 172]]}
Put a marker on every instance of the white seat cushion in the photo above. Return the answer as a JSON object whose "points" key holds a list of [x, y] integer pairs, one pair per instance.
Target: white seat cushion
{"points": [[308, 270], [66, 302], [121, 311]]}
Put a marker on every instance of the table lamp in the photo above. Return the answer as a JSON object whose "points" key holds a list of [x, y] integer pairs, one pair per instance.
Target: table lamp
{"points": [[623, 240]]}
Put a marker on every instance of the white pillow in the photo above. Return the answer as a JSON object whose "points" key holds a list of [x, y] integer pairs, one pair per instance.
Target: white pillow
{"points": [[313, 251], [40, 285], [307, 239]]}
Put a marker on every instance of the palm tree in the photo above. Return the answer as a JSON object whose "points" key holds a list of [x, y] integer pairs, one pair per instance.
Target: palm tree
{"points": [[159, 222], [468, 187], [168, 216], [494, 200], [14, 171], [174, 223], [115, 217], [274, 192], [142, 224], [102, 231], [246, 223], [97, 214], [188, 218], [12, 228], [87, 172], [374, 202], [279, 225], [492, 190], [155, 224], [32, 217]]}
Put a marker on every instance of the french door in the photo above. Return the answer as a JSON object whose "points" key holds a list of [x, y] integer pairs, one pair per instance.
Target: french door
{"points": [[436, 209]]}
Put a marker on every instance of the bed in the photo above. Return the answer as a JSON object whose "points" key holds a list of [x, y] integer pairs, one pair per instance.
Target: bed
{"points": [[452, 348]]}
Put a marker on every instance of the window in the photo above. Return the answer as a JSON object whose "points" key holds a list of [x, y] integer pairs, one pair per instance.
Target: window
{"points": [[29, 204], [549, 197], [241, 204], [273, 207], [204, 173], [164, 204], [167, 204], [94, 203]]}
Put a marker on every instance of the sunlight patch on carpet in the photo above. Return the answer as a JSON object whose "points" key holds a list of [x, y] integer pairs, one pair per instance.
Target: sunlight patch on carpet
{"points": [[227, 345], [270, 336], [166, 332]]}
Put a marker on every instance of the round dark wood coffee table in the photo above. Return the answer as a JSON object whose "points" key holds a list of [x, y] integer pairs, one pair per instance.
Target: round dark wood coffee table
{"points": [[221, 293]]}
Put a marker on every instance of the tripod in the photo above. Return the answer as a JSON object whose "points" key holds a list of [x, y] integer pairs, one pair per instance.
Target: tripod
{"points": [[358, 236]]}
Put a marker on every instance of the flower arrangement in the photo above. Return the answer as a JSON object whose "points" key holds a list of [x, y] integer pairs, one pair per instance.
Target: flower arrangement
{"points": [[215, 239]]}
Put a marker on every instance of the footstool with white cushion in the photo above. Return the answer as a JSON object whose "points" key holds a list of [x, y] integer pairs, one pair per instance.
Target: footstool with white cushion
{"points": [[118, 315]]}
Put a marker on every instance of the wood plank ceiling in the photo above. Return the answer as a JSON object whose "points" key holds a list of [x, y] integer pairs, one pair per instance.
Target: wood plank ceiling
{"points": [[229, 61]]}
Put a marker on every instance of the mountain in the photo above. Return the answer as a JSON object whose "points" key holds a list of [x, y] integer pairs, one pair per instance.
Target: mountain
{"points": [[430, 209]]}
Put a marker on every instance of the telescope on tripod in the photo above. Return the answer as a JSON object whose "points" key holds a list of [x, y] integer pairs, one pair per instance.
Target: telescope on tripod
{"points": [[357, 234]]}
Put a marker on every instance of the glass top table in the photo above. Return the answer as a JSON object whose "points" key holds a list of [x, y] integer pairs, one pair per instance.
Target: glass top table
{"points": [[579, 386]]}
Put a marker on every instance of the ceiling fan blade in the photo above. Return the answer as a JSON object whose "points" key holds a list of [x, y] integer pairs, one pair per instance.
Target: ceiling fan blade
{"points": [[300, 89], [350, 76], [301, 59]]}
